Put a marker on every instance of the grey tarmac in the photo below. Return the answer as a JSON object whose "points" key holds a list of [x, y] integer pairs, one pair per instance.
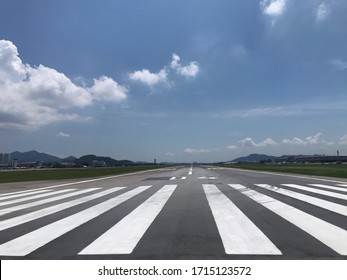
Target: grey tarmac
{"points": [[186, 212]]}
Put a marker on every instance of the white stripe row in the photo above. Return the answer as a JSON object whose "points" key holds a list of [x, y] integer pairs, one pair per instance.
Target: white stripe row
{"points": [[238, 233]]}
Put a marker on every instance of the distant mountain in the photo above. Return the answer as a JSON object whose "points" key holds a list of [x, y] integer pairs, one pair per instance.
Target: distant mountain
{"points": [[69, 159], [93, 160], [88, 160], [254, 158], [33, 156]]}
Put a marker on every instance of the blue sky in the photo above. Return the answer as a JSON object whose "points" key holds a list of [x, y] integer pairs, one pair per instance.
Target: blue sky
{"points": [[173, 80]]}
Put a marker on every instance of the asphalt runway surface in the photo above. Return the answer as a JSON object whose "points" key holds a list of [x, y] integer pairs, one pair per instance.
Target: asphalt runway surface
{"points": [[176, 213]]}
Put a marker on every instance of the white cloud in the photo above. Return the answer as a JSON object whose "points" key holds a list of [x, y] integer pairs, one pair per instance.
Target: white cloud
{"points": [[248, 142], [339, 64], [106, 89], [310, 140], [31, 97], [273, 8], [190, 70], [343, 140], [318, 139], [295, 141], [63, 135], [170, 154], [148, 78], [195, 151], [323, 12], [151, 79], [232, 147]]}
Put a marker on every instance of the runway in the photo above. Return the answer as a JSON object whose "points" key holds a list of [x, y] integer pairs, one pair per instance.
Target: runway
{"points": [[176, 213]]}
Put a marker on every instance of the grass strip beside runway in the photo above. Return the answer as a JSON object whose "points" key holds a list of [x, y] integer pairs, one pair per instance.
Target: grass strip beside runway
{"points": [[9, 176], [326, 170]]}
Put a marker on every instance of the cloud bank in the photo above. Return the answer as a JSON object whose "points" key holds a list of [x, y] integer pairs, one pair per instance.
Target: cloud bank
{"points": [[31, 97], [295, 145]]}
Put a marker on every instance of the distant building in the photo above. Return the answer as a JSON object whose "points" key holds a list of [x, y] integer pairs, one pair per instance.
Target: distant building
{"points": [[4, 159], [155, 161]]}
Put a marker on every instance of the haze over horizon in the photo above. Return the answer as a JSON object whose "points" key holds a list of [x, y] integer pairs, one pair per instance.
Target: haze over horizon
{"points": [[179, 81]]}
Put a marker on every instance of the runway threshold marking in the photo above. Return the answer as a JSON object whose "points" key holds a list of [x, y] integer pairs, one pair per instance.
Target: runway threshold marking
{"points": [[31, 241], [329, 234], [18, 200], [55, 208], [318, 191], [43, 201], [27, 193], [123, 237], [329, 187], [239, 234], [331, 206]]}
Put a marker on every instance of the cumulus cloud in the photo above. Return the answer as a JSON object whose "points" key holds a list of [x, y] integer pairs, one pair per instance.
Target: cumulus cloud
{"points": [[295, 141], [195, 151], [310, 140], [31, 97], [190, 70], [273, 8], [248, 142], [149, 78], [106, 89]]}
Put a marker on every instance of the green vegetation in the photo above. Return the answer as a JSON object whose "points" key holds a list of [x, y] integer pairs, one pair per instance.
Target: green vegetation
{"points": [[68, 173], [326, 170]]}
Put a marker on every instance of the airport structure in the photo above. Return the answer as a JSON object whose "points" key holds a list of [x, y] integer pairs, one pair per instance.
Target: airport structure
{"points": [[5, 160], [312, 159]]}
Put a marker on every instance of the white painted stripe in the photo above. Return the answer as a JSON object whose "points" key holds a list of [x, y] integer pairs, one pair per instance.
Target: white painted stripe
{"points": [[239, 234], [342, 185], [21, 192], [319, 191], [172, 178], [331, 206], [93, 180], [123, 237], [4, 197], [43, 201], [183, 178], [34, 197], [53, 209], [31, 241], [190, 173], [329, 234], [329, 187]]}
